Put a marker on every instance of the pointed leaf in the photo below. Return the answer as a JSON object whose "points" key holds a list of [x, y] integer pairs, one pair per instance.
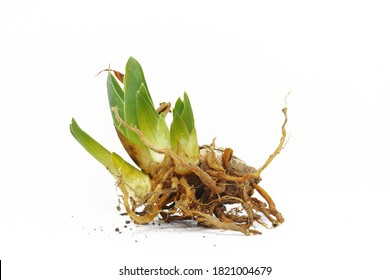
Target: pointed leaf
{"points": [[113, 84], [187, 114], [146, 115], [179, 105], [178, 131], [137, 182], [133, 79], [115, 99], [150, 123], [92, 146]]}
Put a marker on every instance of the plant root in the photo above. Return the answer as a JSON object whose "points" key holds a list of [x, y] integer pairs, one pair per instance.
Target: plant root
{"points": [[220, 192]]}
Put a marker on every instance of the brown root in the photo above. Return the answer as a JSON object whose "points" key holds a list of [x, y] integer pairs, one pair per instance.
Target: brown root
{"points": [[221, 192]]}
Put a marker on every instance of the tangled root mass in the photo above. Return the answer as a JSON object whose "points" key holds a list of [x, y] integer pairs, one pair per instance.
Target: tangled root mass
{"points": [[221, 192]]}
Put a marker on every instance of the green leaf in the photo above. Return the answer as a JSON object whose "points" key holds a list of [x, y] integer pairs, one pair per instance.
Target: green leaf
{"points": [[183, 134], [179, 105], [184, 110], [115, 99], [146, 115], [117, 88], [92, 146], [187, 114], [151, 124], [134, 78], [137, 182], [148, 122], [178, 131]]}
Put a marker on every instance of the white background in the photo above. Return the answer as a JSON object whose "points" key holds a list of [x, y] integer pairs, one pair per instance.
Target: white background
{"points": [[237, 60]]}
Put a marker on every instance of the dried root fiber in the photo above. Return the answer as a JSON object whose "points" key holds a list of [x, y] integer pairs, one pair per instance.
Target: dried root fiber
{"points": [[220, 192]]}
